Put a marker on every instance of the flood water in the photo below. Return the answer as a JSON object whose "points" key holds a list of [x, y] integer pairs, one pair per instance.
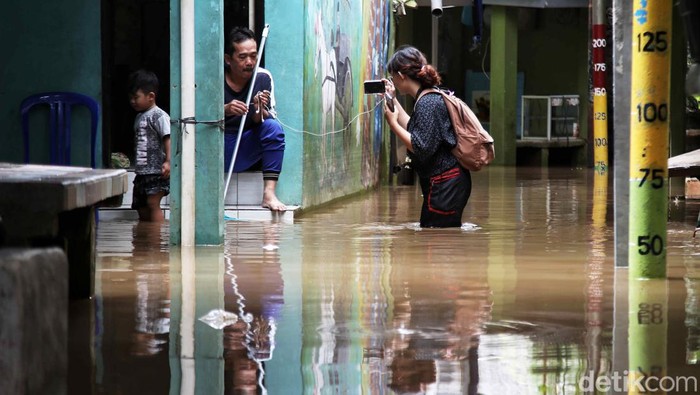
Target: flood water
{"points": [[355, 298]]}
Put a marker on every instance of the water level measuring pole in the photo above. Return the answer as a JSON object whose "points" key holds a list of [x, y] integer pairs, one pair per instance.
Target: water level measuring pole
{"points": [[649, 134], [600, 95]]}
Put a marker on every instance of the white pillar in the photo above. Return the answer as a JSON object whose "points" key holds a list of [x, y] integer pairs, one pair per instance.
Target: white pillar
{"points": [[187, 61]]}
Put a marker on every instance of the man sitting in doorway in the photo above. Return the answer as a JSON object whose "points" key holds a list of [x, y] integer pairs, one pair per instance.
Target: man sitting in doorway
{"points": [[262, 143]]}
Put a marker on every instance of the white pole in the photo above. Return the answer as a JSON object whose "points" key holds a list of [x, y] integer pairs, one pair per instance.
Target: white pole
{"points": [[434, 42], [187, 90], [251, 15], [265, 32]]}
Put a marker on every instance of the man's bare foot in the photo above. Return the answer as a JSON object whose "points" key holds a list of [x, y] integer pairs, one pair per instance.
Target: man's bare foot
{"points": [[270, 201]]}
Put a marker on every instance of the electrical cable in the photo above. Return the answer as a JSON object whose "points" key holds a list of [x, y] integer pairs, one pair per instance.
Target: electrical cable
{"points": [[483, 60], [333, 131]]}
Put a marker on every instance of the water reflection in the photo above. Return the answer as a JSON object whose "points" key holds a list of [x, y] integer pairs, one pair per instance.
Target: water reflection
{"points": [[254, 291], [648, 328], [596, 361], [354, 299], [152, 306], [132, 310], [692, 311]]}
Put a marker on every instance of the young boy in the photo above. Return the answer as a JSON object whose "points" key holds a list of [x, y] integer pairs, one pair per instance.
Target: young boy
{"points": [[152, 146]]}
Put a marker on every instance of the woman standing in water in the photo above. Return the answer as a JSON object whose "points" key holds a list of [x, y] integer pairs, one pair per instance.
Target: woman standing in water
{"points": [[429, 137]]}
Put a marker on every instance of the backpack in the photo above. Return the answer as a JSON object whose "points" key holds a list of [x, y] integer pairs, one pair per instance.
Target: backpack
{"points": [[474, 148]]}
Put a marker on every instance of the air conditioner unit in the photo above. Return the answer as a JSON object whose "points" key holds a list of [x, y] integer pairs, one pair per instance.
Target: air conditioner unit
{"points": [[549, 117]]}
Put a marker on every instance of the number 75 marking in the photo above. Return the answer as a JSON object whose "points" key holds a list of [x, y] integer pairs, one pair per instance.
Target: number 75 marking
{"points": [[656, 175]]}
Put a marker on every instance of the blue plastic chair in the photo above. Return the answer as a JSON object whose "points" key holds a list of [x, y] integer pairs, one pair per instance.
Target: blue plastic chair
{"points": [[60, 104]]}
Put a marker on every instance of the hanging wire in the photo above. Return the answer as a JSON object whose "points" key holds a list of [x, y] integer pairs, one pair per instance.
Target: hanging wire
{"points": [[221, 123], [483, 60], [334, 131]]}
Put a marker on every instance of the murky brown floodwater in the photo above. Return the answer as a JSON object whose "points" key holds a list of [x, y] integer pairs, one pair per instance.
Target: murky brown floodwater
{"points": [[356, 299]]}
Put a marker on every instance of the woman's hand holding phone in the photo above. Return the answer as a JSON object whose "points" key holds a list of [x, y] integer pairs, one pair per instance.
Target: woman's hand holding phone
{"points": [[389, 93], [389, 101]]}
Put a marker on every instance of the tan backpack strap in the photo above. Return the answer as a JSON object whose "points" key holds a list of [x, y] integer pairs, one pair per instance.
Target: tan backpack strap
{"points": [[425, 91]]}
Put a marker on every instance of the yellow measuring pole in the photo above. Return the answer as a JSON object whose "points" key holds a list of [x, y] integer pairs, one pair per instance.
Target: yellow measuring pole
{"points": [[649, 133], [600, 95]]}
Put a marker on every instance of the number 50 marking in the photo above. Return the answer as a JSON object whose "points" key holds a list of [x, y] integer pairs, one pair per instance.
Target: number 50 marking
{"points": [[650, 245]]}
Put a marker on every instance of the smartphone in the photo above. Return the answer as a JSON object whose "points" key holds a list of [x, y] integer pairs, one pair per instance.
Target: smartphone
{"points": [[389, 101], [374, 86]]}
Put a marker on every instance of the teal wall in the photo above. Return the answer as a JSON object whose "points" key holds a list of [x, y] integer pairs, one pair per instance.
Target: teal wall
{"points": [[209, 147], [48, 46], [284, 57]]}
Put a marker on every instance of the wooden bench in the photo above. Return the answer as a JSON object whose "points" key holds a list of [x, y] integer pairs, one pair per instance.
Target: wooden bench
{"points": [[43, 205]]}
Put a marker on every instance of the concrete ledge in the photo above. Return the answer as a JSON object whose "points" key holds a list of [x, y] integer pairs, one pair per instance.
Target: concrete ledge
{"points": [[33, 196], [692, 132], [567, 151], [33, 321], [57, 188], [560, 142]]}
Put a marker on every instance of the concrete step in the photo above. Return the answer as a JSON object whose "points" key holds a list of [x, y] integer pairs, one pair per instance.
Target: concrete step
{"points": [[242, 202]]}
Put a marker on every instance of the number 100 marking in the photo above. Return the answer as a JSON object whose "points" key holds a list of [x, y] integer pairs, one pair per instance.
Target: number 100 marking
{"points": [[650, 112]]}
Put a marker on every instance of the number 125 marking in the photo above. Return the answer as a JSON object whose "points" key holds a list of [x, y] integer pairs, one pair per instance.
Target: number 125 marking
{"points": [[652, 41]]}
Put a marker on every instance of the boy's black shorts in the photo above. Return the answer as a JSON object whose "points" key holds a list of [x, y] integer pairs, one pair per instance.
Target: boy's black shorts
{"points": [[148, 184]]}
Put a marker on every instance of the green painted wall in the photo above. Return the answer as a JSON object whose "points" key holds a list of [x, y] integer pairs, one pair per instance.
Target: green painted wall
{"points": [[48, 46], [504, 52]]}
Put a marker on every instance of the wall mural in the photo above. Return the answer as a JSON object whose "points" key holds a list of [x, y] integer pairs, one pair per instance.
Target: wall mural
{"points": [[346, 44], [375, 56]]}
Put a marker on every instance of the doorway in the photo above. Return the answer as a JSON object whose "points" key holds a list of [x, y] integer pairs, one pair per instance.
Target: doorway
{"points": [[136, 34]]}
